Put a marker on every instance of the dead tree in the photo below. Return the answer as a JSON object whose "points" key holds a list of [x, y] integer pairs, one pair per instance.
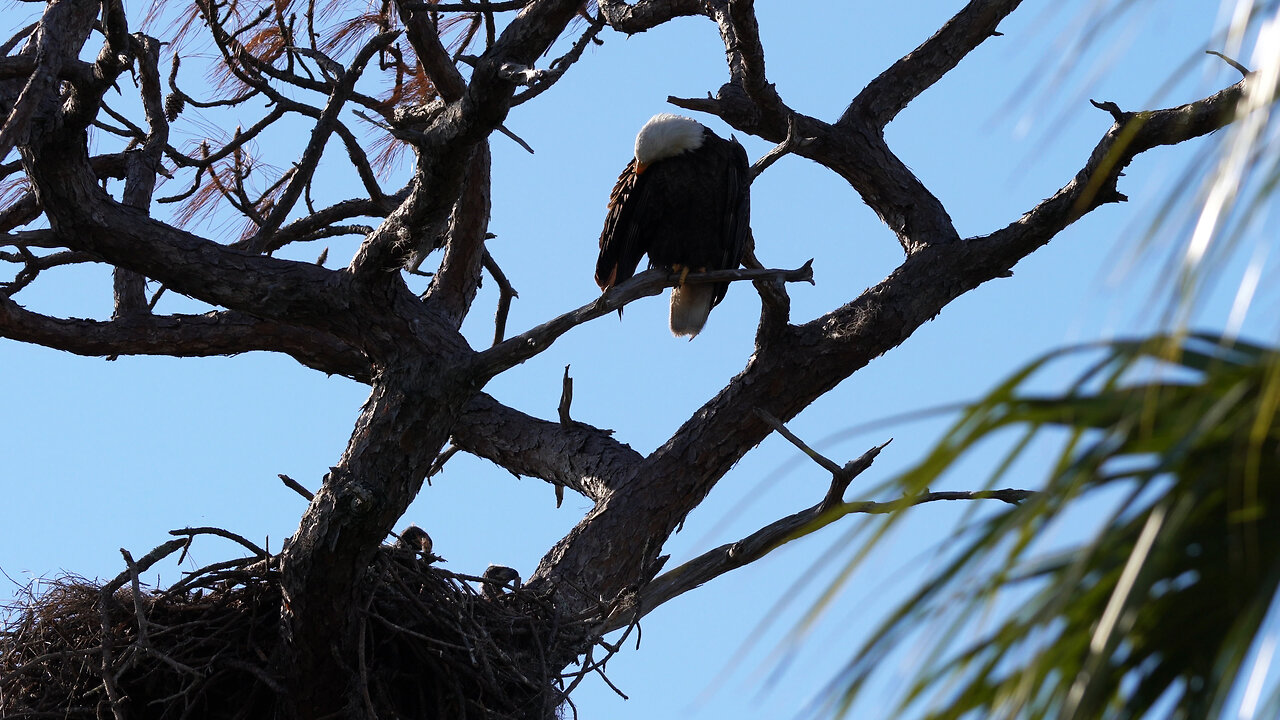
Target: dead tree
{"points": [[456, 71]]}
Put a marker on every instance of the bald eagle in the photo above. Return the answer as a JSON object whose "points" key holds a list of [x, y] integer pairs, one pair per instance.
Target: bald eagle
{"points": [[685, 200]]}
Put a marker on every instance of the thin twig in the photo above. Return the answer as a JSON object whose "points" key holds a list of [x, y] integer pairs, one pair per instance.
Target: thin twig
{"points": [[505, 294], [792, 143], [191, 532], [566, 397], [827, 463], [296, 486], [1233, 63]]}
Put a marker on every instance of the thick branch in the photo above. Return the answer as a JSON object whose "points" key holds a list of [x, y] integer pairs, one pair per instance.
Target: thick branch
{"points": [[62, 31], [447, 145], [861, 157], [217, 333], [741, 35], [1096, 183], [632, 18], [886, 96], [401, 429], [454, 285], [144, 165], [425, 38], [575, 455]]}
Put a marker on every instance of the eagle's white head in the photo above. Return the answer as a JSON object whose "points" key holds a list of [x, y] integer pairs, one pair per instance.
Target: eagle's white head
{"points": [[665, 136]]}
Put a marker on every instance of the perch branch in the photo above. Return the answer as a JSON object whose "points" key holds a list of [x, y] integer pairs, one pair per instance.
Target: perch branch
{"points": [[524, 346]]}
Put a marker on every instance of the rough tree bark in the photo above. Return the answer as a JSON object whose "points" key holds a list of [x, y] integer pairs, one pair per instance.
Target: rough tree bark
{"points": [[361, 321]]}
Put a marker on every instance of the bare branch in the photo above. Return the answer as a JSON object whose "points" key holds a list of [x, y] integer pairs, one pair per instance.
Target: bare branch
{"points": [[566, 398], [33, 265], [453, 288], [144, 564], [17, 37], [775, 304], [559, 66], [425, 38], [59, 35], [789, 145], [218, 333], [632, 18], [1096, 183], [1239, 67], [716, 562], [191, 532], [238, 141], [506, 293], [313, 225], [325, 125], [741, 35], [524, 346], [129, 287], [296, 486], [20, 212], [454, 133], [482, 5], [577, 456], [886, 96], [827, 464]]}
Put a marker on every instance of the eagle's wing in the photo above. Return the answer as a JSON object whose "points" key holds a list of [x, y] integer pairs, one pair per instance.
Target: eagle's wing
{"points": [[737, 214], [624, 238]]}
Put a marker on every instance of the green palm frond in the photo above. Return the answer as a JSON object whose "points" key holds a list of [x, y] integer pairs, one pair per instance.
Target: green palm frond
{"points": [[1154, 611]]}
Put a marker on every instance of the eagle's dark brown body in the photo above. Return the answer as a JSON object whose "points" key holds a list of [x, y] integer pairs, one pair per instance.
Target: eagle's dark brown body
{"points": [[688, 208]]}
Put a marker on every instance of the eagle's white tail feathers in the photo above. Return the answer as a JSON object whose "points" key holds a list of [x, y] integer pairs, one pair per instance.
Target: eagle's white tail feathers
{"points": [[690, 306]]}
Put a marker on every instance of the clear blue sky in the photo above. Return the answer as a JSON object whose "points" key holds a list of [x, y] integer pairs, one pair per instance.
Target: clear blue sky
{"points": [[102, 455]]}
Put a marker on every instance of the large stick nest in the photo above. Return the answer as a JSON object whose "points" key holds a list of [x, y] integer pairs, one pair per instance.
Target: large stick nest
{"points": [[431, 646]]}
